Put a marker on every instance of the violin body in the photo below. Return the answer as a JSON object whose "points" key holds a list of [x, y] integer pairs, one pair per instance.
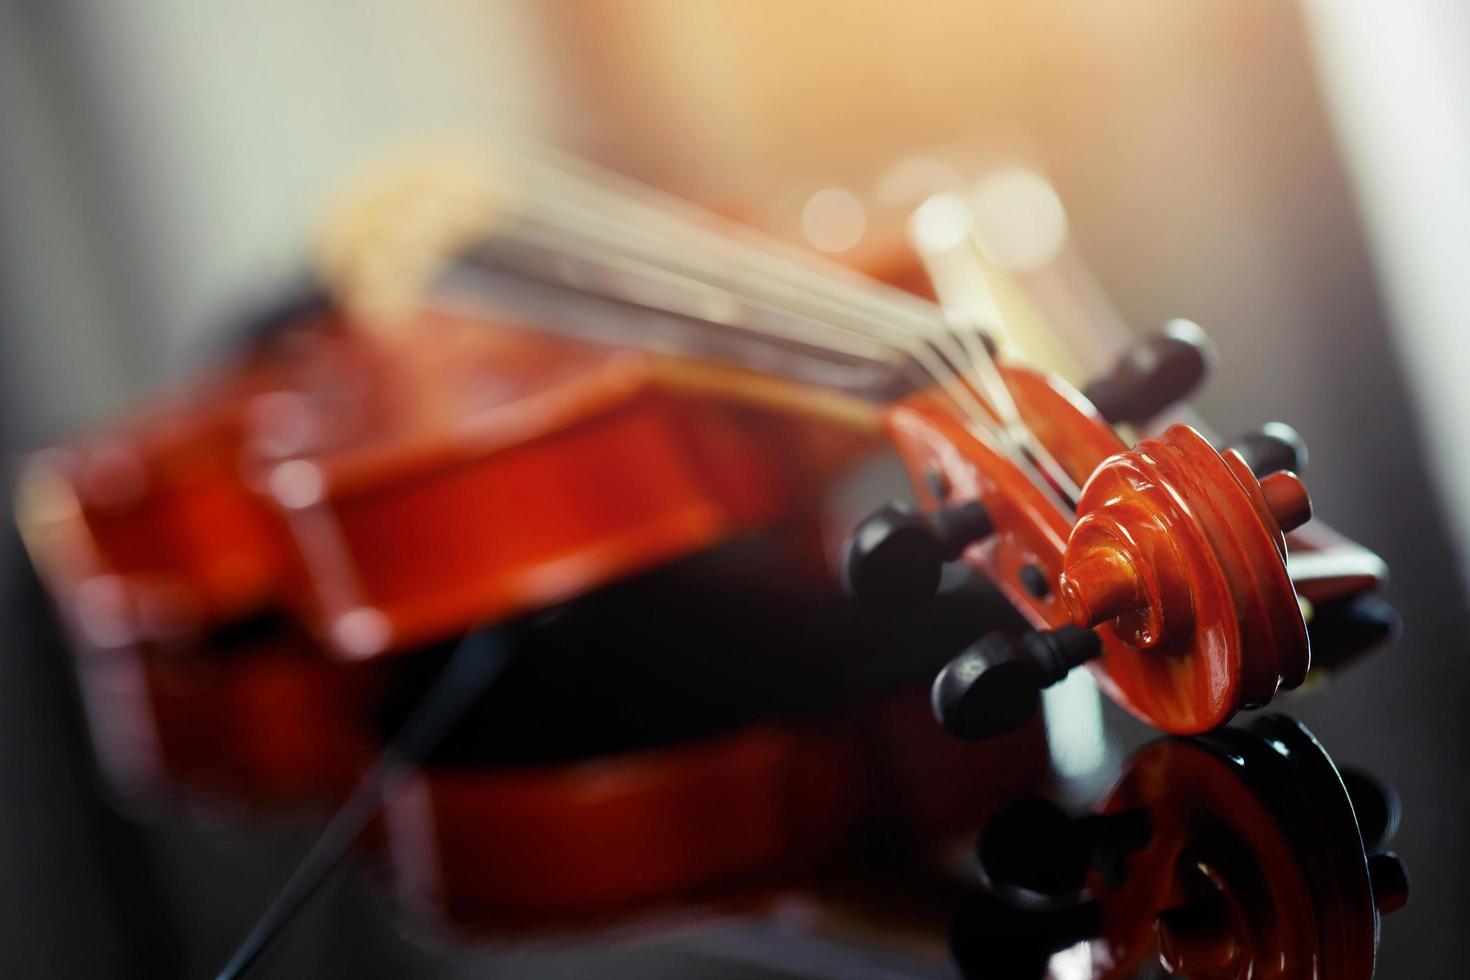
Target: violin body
{"points": [[395, 496]]}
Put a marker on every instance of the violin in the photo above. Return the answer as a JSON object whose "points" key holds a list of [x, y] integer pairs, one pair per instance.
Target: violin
{"points": [[541, 403], [1180, 580], [1241, 853]]}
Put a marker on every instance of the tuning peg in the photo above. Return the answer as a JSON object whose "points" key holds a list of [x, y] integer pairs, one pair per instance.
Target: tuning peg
{"points": [[1376, 805], [1388, 878], [894, 559], [1035, 855], [1154, 374], [1377, 809], [1274, 446], [1344, 630], [1275, 455], [1287, 499], [994, 686]]}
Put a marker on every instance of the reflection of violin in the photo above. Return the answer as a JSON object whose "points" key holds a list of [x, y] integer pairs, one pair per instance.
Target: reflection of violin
{"points": [[1238, 854], [594, 395]]}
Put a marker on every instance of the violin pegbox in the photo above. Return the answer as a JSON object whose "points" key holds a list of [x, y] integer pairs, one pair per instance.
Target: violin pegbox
{"points": [[1173, 554]]}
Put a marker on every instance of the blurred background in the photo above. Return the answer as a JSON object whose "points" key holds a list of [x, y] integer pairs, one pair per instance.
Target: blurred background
{"points": [[1290, 175]]}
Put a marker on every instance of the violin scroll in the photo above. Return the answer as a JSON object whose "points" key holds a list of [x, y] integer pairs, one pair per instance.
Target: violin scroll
{"points": [[1179, 557], [1173, 551]]}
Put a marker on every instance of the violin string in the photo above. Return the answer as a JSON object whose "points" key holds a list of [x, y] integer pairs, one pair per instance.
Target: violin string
{"points": [[472, 667], [941, 232], [671, 211], [688, 296], [775, 264], [614, 221], [566, 242], [713, 259], [934, 359], [575, 238], [886, 302]]}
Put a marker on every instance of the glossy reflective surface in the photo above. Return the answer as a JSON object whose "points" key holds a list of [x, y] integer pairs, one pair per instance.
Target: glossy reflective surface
{"points": [[1238, 853]]}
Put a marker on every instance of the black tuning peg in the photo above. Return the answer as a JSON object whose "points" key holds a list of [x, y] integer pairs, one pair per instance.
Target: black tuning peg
{"points": [[1375, 804], [1344, 630], [1388, 878], [894, 559], [1035, 855], [1377, 809], [1154, 374], [1274, 446], [993, 687]]}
